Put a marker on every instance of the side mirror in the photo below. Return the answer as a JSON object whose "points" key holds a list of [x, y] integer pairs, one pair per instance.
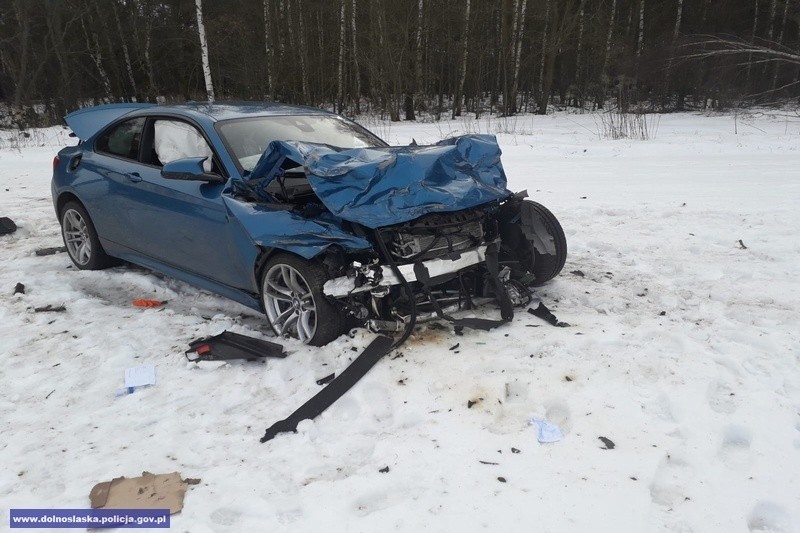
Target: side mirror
{"points": [[190, 169]]}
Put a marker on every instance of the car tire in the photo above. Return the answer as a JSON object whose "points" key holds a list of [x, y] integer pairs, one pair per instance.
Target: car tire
{"points": [[80, 239], [293, 301], [548, 266], [532, 238]]}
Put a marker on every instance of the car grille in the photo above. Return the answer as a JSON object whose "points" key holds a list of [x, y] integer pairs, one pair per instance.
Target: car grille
{"points": [[437, 235]]}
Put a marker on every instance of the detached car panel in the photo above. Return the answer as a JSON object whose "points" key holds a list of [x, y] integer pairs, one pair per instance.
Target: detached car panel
{"points": [[300, 213]]}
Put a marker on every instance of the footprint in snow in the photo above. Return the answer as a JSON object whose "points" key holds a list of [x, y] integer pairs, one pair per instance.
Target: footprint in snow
{"points": [[668, 485], [225, 516], [735, 448], [769, 517], [721, 396]]}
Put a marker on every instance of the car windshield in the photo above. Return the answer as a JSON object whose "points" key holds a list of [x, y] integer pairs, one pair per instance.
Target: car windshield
{"points": [[248, 138]]}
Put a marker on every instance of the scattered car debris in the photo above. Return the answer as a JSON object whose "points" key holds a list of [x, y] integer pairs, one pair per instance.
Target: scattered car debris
{"points": [[578, 273], [148, 491], [515, 450], [455, 347], [144, 302], [7, 226], [488, 463], [326, 379], [501, 479], [50, 309], [545, 314], [140, 376], [567, 378], [379, 347], [384, 470], [19, 288], [49, 394], [741, 245], [50, 251], [547, 431], [229, 346], [609, 444]]}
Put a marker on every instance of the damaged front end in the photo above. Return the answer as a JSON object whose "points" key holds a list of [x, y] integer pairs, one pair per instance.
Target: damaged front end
{"points": [[404, 234]]}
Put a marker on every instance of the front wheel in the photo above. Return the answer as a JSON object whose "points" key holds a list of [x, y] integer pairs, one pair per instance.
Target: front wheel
{"points": [[532, 240], [291, 292]]}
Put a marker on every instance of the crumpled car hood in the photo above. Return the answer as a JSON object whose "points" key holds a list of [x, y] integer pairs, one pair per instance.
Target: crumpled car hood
{"points": [[379, 187]]}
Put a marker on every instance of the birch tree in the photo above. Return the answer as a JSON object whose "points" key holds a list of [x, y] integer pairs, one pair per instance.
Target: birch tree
{"points": [[463, 71], [340, 95], [268, 49], [126, 55], [356, 73], [201, 30], [519, 33], [610, 35]]}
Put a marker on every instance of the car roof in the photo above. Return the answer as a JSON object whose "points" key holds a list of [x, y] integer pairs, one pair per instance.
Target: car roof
{"points": [[230, 110]]}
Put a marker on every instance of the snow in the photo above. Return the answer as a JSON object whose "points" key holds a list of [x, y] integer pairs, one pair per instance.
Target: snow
{"points": [[683, 351]]}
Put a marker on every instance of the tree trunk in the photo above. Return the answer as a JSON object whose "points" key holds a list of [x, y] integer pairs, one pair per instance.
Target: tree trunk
{"points": [[463, 72], [518, 53], [302, 37], [201, 30], [640, 43], [578, 65], [24, 37], [545, 35], [340, 95], [418, 89], [356, 72], [609, 36], [268, 50], [752, 40], [125, 53], [94, 50], [780, 42]]}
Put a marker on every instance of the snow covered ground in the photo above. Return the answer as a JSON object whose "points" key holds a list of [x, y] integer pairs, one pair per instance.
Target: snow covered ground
{"points": [[683, 351]]}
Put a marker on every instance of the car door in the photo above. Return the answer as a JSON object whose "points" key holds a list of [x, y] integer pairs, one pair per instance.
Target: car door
{"points": [[106, 175], [184, 224]]}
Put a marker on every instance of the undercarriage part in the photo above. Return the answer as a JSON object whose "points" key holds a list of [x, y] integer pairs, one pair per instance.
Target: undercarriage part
{"points": [[506, 308], [532, 241], [334, 390]]}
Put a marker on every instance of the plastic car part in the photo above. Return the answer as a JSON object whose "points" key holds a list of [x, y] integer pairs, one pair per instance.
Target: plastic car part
{"points": [[229, 345], [7, 226], [334, 390]]}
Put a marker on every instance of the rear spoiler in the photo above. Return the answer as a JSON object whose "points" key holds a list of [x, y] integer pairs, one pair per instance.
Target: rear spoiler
{"points": [[88, 121]]}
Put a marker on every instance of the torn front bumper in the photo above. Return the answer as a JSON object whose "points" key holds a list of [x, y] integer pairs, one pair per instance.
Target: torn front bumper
{"points": [[377, 276]]}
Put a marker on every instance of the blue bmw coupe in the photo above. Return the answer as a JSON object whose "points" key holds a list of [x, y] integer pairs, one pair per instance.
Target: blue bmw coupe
{"points": [[301, 214]]}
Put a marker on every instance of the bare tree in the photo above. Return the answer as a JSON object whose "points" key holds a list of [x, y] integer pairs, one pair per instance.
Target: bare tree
{"points": [[340, 95], [201, 30], [268, 48], [463, 71], [356, 73]]}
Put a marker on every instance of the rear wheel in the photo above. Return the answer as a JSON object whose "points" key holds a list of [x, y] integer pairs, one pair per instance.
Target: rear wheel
{"points": [[533, 240], [291, 292], [80, 239]]}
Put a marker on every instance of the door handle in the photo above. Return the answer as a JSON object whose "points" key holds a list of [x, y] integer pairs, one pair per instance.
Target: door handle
{"points": [[134, 177]]}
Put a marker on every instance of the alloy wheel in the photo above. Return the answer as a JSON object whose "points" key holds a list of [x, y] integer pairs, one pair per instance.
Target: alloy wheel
{"points": [[76, 237], [289, 303]]}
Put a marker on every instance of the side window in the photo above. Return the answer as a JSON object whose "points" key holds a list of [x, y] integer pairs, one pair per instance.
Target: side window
{"points": [[175, 139], [123, 139]]}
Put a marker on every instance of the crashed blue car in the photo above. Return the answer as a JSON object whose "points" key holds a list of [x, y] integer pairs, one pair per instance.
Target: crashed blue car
{"points": [[301, 214]]}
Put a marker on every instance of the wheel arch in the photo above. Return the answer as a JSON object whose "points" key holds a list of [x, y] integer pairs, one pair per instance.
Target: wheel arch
{"points": [[62, 200]]}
